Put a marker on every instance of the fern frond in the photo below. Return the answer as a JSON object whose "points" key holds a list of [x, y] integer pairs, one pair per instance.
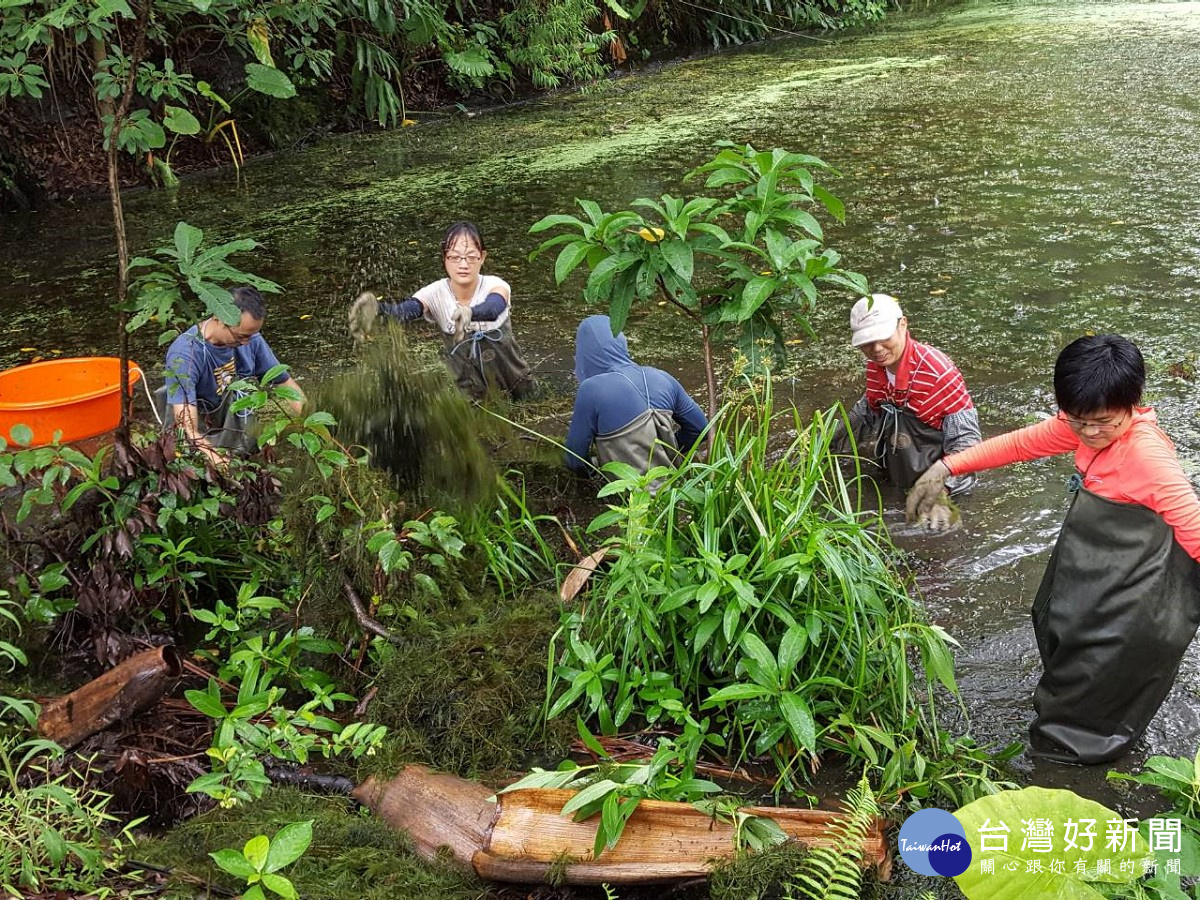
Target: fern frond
{"points": [[835, 873]]}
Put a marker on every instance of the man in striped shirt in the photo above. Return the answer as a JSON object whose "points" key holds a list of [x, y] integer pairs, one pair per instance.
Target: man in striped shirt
{"points": [[916, 408]]}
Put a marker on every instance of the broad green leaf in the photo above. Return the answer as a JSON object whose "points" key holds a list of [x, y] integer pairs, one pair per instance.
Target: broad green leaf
{"points": [[279, 885], [791, 648], [706, 594], [756, 292], [754, 647], [288, 846], [1010, 809], [799, 719], [180, 121], [260, 41], [939, 662], [233, 863], [107, 8], [269, 81], [835, 206], [541, 779], [589, 739], [550, 221], [679, 257], [187, 239], [608, 268], [204, 89], [570, 257], [800, 219], [589, 794], [140, 133], [472, 62], [56, 846], [256, 850], [619, 307], [737, 692], [21, 435], [206, 703]]}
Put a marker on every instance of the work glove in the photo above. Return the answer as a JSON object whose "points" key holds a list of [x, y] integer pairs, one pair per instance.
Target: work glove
{"points": [[363, 313], [460, 317], [941, 515], [927, 494]]}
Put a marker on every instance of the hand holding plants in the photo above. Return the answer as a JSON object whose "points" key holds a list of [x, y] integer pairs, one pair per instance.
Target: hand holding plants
{"points": [[928, 502]]}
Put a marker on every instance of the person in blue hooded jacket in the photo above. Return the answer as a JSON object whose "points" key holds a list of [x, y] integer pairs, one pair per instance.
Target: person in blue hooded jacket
{"points": [[625, 411]]}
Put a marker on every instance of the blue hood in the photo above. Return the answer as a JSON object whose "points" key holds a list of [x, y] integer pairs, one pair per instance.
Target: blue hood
{"points": [[596, 349]]}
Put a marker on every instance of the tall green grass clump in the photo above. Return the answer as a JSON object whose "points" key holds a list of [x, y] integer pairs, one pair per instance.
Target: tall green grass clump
{"points": [[753, 602]]}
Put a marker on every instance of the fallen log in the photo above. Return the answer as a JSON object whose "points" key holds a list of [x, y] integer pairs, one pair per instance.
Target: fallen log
{"points": [[132, 687], [521, 835], [437, 810]]}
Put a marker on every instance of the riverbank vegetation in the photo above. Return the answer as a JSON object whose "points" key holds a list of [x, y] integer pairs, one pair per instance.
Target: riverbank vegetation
{"points": [[383, 585], [205, 82]]}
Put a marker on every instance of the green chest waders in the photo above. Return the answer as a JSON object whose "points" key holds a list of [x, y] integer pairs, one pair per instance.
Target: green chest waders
{"points": [[905, 446], [489, 360], [644, 443], [221, 426], [1116, 609]]}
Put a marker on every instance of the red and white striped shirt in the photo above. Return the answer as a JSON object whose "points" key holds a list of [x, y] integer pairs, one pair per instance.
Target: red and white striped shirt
{"points": [[927, 383]]}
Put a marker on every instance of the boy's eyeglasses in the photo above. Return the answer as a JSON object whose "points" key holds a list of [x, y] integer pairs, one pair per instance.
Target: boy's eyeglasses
{"points": [[1079, 425], [454, 259]]}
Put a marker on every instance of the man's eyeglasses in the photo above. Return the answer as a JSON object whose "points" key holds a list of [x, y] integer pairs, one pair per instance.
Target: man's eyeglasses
{"points": [[454, 259], [1079, 425]]}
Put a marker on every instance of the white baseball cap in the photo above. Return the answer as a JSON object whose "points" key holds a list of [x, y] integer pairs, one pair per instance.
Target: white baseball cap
{"points": [[874, 318]]}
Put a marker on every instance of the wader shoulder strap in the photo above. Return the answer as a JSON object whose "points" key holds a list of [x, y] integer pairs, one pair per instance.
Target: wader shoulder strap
{"points": [[645, 387]]}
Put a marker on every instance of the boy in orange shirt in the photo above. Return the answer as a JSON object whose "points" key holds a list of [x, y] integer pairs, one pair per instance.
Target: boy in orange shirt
{"points": [[1120, 600]]}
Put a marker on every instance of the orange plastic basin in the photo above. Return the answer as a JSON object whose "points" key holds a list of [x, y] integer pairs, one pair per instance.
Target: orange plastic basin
{"points": [[77, 398]]}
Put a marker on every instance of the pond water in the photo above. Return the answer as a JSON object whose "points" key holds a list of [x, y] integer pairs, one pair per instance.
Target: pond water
{"points": [[1018, 173]]}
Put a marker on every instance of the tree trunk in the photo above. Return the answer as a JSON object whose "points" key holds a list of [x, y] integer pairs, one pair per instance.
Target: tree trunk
{"points": [[710, 378], [119, 112]]}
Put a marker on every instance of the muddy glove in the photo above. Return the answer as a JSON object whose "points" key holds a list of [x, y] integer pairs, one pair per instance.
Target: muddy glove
{"points": [[942, 515], [929, 491], [363, 313], [460, 317]]}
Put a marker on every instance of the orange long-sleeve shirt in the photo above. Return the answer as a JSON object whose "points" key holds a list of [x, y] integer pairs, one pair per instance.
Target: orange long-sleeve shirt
{"points": [[1139, 467]]}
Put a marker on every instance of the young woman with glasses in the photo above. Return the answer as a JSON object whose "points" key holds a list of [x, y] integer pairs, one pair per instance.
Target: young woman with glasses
{"points": [[470, 309], [1120, 600]]}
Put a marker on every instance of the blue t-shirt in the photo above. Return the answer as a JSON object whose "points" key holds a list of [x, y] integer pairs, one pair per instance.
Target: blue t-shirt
{"points": [[198, 374]]}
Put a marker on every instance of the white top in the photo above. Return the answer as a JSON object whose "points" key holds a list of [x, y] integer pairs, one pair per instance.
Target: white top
{"points": [[439, 302]]}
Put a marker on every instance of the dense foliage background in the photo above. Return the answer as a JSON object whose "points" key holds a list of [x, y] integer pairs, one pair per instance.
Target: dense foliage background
{"points": [[217, 78]]}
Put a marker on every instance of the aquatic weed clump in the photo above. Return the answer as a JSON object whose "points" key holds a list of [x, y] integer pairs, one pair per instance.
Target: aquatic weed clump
{"points": [[763, 875], [466, 695], [352, 854], [416, 425]]}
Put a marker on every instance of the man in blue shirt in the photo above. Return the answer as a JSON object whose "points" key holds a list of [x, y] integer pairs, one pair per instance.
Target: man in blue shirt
{"points": [[627, 412], [207, 358]]}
